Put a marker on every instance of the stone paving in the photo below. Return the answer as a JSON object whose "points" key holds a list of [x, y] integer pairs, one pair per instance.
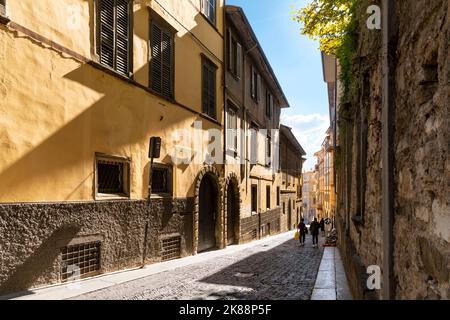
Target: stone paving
{"points": [[273, 270]]}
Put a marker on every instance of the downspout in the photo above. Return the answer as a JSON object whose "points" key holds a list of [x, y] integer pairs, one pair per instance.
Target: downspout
{"points": [[387, 146], [224, 70]]}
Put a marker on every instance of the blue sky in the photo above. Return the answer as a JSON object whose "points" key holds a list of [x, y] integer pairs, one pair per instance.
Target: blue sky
{"points": [[297, 64]]}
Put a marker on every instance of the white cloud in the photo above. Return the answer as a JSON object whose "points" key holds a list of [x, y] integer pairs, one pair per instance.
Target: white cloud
{"points": [[310, 130]]}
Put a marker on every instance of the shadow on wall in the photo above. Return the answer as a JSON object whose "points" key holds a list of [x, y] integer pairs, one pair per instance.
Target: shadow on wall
{"points": [[118, 122], [41, 263], [125, 116]]}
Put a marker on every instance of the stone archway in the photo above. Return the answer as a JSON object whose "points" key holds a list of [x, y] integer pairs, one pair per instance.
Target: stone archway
{"points": [[209, 175], [232, 206]]}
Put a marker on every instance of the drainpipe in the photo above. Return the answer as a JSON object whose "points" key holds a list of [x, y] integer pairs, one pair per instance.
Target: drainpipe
{"points": [[388, 109], [224, 70]]}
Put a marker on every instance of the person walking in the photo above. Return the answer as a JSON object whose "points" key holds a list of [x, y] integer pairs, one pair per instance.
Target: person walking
{"points": [[314, 228], [302, 231], [322, 227]]}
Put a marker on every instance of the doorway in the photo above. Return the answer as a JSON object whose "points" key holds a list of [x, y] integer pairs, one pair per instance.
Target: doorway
{"points": [[208, 213], [232, 213]]}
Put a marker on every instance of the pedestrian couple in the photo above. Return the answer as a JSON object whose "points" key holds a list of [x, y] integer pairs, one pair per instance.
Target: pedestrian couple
{"points": [[303, 230]]}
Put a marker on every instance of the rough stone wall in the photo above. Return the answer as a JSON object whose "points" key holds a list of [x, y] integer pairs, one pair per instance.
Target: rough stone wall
{"points": [[421, 247], [422, 144], [249, 229], [33, 258]]}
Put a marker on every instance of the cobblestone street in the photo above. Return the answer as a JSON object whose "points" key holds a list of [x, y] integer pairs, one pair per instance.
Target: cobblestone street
{"points": [[279, 269]]}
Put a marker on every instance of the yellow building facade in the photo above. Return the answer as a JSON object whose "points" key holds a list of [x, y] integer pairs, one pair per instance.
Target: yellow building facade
{"points": [[84, 85]]}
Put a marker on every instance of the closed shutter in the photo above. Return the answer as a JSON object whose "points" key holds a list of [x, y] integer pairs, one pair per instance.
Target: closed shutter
{"points": [[229, 51], [114, 35], [253, 84], [209, 89], [162, 61], [238, 60], [258, 88]]}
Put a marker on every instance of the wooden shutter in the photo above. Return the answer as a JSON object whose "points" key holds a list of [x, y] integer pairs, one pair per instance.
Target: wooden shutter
{"points": [[252, 83], [114, 35], [258, 88], [209, 89], [156, 63], [238, 60], [166, 47], [229, 51], [122, 36], [107, 41], [162, 61]]}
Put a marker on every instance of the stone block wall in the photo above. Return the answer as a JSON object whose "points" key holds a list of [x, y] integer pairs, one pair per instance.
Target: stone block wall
{"points": [[34, 258]]}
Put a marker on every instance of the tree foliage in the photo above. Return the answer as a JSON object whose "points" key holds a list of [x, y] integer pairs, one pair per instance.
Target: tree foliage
{"points": [[326, 21]]}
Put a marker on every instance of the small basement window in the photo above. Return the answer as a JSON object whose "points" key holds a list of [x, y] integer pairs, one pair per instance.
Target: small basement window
{"points": [[112, 177], [80, 261]]}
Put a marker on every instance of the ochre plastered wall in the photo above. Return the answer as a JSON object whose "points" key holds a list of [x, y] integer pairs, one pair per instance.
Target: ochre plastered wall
{"points": [[57, 112]]}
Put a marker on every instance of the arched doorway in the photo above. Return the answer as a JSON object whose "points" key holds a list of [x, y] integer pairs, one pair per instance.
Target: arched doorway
{"points": [[232, 213], [208, 213]]}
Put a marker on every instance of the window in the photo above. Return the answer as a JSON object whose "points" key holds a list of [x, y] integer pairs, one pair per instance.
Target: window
{"points": [[114, 34], [268, 197], [209, 88], [161, 63], [80, 260], [269, 105], [2, 7], [256, 85], [161, 179], [253, 145], [112, 177], [278, 196], [284, 208], [268, 150], [254, 198], [234, 56], [232, 137], [208, 8]]}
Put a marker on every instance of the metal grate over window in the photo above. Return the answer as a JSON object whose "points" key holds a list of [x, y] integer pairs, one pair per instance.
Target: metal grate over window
{"points": [[80, 260], [254, 234], [110, 177], [160, 180], [171, 248]]}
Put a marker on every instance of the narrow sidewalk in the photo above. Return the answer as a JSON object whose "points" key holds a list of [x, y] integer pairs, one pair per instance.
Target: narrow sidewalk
{"points": [[331, 282]]}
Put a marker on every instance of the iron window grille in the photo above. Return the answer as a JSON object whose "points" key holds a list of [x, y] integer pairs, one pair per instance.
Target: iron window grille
{"points": [[161, 179], [171, 248], [81, 260], [112, 177], [114, 34]]}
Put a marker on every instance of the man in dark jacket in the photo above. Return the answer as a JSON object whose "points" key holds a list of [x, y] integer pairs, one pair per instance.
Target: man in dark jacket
{"points": [[314, 228], [322, 227], [302, 231]]}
